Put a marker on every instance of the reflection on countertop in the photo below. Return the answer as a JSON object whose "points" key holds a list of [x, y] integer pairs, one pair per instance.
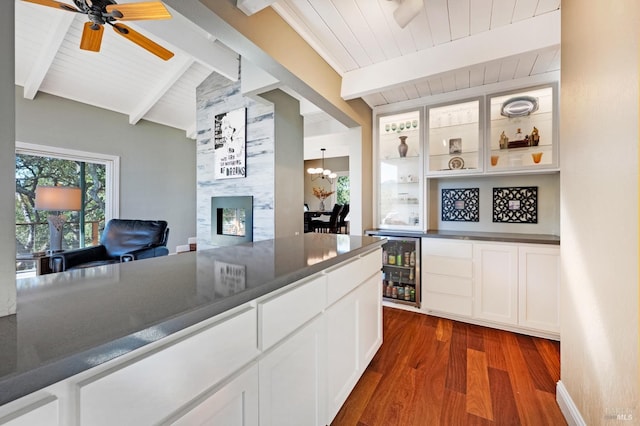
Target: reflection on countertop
{"points": [[71, 321]]}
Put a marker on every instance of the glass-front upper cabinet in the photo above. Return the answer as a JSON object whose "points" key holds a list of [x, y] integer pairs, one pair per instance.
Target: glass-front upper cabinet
{"points": [[522, 130], [399, 170], [455, 138]]}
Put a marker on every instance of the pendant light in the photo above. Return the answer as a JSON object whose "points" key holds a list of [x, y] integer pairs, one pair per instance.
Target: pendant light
{"points": [[321, 172]]}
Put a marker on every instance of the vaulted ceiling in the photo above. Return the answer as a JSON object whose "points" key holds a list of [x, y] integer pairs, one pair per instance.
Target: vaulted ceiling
{"points": [[447, 46]]}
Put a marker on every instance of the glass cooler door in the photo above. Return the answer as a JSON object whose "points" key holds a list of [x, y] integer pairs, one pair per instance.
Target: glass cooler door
{"points": [[401, 270]]}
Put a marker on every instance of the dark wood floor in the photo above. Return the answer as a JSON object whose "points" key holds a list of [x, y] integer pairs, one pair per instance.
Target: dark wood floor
{"points": [[433, 371]]}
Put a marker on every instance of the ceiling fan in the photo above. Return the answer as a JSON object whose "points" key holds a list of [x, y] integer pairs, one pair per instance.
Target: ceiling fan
{"points": [[101, 12], [406, 11]]}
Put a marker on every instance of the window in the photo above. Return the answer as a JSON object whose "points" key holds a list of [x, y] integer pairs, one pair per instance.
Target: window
{"points": [[95, 174], [342, 188]]}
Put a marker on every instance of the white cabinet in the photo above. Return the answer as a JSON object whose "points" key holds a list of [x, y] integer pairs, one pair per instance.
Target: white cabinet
{"points": [[264, 362], [292, 380], [447, 276], [342, 351], [496, 282], [508, 285], [538, 290], [354, 334], [233, 404], [399, 170], [150, 388], [32, 410], [522, 130], [455, 138], [281, 313], [369, 321]]}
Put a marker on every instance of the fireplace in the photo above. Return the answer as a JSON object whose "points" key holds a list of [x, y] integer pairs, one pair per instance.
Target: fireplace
{"points": [[231, 220]]}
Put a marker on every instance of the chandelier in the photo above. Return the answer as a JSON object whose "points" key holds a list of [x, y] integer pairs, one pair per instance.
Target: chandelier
{"points": [[321, 172]]}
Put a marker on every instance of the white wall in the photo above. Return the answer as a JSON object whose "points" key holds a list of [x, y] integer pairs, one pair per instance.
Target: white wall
{"points": [[7, 162], [157, 163], [548, 203], [599, 208]]}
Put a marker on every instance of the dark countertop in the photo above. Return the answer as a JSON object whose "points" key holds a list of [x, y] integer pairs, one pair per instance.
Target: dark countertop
{"points": [[72, 321], [505, 237]]}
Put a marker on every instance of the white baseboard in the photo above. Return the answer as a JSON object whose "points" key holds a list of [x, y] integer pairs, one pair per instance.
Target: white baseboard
{"points": [[569, 410]]}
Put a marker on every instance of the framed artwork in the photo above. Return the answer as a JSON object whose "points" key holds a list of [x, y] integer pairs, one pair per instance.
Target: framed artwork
{"points": [[455, 146], [515, 204], [461, 205], [229, 134]]}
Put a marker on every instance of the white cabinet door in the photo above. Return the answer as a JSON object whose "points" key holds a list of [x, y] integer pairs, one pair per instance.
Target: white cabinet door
{"points": [[496, 282], [342, 351], [146, 390], [292, 380], [234, 404], [539, 283], [369, 321]]}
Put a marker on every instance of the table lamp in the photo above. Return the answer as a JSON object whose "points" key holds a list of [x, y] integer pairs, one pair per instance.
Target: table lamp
{"points": [[57, 199]]}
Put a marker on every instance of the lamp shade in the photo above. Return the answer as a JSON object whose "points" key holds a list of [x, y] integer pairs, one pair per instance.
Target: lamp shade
{"points": [[58, 198]]}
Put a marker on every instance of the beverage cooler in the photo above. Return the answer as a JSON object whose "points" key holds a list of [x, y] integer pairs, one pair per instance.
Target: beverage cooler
{"points": [[401, 270]]}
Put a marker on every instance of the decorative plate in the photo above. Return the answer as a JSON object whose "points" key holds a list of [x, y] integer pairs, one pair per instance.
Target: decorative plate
{"points": [[519, 106], [456, 163]]}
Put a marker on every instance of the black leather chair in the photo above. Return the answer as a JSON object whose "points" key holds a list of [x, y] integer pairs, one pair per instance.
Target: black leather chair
{"points": [[342, 219], [123, 240], [330, 226]]}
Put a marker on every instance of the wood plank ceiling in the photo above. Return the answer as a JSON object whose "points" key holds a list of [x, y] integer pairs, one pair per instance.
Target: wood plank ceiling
{"points": [[449, 45]]}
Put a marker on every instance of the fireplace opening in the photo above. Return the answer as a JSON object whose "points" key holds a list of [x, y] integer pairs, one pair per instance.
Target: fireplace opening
{"points": [[231, 220]]}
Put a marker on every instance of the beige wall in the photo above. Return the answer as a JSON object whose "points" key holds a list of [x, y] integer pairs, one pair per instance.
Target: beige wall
{"points": [[599, 208]]}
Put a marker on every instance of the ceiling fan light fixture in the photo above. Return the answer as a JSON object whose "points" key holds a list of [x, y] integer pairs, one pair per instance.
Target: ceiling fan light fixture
{"points": [[102, 12], [407, 10]]}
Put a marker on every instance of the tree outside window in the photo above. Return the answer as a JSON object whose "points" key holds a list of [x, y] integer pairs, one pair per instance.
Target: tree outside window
{"points": [[82, 228], [342, 190]]}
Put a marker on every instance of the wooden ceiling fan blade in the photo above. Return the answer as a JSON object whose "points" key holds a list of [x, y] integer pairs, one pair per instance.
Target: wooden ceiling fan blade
{"points": [[91, 37], [55, 4], [143, 41], [139, 11]]}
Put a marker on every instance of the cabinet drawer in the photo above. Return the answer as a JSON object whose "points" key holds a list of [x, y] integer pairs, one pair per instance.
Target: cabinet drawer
{"points": [[283, 313], [447, 248], [42, 412], [462, 268], [447, 285], [347, 277], [148, 390], [447, 303]]}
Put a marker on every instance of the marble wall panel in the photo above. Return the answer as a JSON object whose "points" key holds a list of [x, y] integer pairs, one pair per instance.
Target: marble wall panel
{"points": [[214, 96]]}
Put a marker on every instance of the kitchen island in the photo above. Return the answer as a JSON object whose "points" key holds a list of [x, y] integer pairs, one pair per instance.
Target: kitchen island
{"points": [[158, 340]]}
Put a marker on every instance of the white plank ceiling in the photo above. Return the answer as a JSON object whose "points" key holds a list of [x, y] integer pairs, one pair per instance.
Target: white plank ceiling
{"points": [[450, 45]]}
